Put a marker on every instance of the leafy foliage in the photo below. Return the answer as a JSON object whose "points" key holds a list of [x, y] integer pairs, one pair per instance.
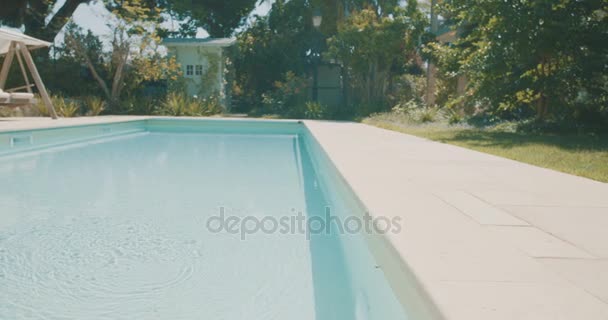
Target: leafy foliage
{"points": [[218, 17], [41, 108], [286, 42], [33, 15], [95, 105], [374, 48], [134, 57], [174, 104], [178, 104], [545, 58], [315, 110], [65, 108], [46, 18], [271, 47], [548, 55], [286, 94]]}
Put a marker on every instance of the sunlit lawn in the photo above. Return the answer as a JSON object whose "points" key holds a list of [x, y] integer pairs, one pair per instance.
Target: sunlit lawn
{"points": [[583, 155]]}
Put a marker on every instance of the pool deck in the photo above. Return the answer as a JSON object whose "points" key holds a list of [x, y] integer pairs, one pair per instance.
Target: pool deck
{"points": [[486, 237]]}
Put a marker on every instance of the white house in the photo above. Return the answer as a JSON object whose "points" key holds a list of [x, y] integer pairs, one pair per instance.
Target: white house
{"points": [[203, 63]]}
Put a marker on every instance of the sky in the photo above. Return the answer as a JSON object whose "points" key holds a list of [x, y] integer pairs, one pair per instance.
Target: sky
{"points": [[95, 17]]}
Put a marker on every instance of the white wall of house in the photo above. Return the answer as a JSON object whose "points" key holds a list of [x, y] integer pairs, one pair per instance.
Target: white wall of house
{"points": [[197, 64], [202, 64]]}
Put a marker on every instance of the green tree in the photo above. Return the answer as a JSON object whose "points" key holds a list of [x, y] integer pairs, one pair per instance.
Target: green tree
{"points": [[44, 19], [546, 54], [375, 47], [271, 47], [335, 11], [286, 43], [218, 17], [33, 15], [134, 53]]}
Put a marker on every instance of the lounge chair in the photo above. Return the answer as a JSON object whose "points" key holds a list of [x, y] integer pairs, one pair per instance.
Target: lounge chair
{"points": [[5, 97], [17, 45], [18, 98], [14, 99]]}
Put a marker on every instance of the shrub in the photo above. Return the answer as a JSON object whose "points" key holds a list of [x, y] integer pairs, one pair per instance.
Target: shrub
{"points": [[408, 88], [191, 108], [174, 104], [95, 105], [69, 109], [139, 105], [210, 106], [366, 109], [416, 112], [286, 94], [454, 117], [427, 115], [315, 110], [65, 108], [407, 107], [6, 112], [178, 104], [41, 108]]}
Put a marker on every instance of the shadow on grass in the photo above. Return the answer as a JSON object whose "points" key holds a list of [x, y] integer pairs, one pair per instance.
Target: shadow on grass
{"points": [[507, 140]]}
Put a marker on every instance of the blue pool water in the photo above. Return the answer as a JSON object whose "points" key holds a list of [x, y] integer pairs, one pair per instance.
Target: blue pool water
{"points": [[112, 222]]}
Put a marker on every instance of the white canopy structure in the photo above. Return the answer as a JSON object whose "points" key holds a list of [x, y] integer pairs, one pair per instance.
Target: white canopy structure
{"points": [[14, 44], [7, 36]]}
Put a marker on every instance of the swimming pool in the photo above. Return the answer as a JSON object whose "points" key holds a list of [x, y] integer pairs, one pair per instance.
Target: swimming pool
{"points": [[132, 221]]}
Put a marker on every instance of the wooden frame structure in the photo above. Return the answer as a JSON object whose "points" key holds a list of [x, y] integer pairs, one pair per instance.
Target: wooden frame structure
{"points": [[20, 50]]}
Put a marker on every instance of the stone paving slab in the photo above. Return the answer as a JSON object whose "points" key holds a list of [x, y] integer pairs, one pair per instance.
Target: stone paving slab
{"points": [[479, 210], [539, 244], [584, 227], [592, 275]]}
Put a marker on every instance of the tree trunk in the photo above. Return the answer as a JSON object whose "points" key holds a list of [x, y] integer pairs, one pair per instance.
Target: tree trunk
{"points": [[35, 18], [431, 82], [61, 18], [368, 83], [117, 83], [541, 107], [120, 57], [541, 102], [80, 50], [100, 81]]}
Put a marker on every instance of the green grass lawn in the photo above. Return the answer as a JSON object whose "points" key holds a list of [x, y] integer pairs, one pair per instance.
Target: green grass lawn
{"points": [[583, 155]]}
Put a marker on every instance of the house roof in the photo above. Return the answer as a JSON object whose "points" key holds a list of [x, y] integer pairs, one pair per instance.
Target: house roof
{"points": [[448, 37], [199, 42], [7, 36], [447, 33]]}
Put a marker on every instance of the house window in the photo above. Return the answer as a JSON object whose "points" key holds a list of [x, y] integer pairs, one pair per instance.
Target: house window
{"points": [[199, 70], [189, 70]]}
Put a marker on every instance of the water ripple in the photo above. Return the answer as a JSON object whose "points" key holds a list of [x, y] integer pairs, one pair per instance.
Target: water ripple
{"points": [[93, 262]]}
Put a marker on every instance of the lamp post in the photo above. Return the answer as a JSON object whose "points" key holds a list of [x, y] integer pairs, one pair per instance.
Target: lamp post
{"points": [[431, 70], [317, 19]]}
